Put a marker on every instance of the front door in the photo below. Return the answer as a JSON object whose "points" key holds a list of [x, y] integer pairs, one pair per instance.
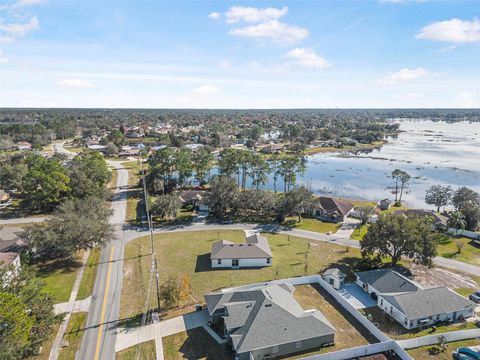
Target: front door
{"points": [[235, 263]]}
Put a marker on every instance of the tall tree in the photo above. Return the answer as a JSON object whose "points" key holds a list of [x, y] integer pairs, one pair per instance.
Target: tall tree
{"points": [[396, 178], [259, 170], [77, 224], [202, 163], [89, 174], [404, 180], [289, 167], [296, 202], [183, 165], [46, 182], [166, 206], [394, 236], [162, 164], [439, 196], [464, 196], [222, 200], [275, 168], [228, 162], [456, 220]]}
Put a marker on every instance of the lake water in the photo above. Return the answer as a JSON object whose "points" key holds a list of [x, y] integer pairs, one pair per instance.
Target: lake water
{"points": [[431, 152]]}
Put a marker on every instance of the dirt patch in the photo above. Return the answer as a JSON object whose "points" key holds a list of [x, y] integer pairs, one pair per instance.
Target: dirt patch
{"points": [[441, 277]]}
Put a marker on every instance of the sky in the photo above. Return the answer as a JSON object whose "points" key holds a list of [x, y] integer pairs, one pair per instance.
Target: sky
{"points": [[242, 54]]}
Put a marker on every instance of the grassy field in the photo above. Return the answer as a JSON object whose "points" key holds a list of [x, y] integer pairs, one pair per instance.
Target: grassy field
{"points": [[467, 291], [59, 276], [396, 331], [189, 252], [88, 279], [146, 352], [73, 335], [349, 333], [470, 253], [134, 193], [113, 181], [360, 232], [422, 353], [312, 225], [316, 150], [193, 344]]}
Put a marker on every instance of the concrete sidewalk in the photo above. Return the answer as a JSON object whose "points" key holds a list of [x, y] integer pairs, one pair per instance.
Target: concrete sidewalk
{"points": [[130, 337], [78, 306]]}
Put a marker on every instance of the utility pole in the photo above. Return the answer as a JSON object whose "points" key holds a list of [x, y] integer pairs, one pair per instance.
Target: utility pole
{"points": [[150, 228]]}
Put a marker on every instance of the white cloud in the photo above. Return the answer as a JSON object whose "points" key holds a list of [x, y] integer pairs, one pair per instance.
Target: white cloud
{"points": [[253, 15], [3, 59], [75, 83], [214, 15], [20, 29], [278, 32], [307, 58], [206, 90], [404, 75], [21, 3], [453, 31], [6, 39], [224, 64]]}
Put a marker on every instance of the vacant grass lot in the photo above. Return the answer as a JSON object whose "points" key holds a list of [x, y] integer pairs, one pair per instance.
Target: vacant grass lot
{"points": [[396, 331], [189, 252], [146, 352], [349, 332], [313, 225], [422, 353], [360, 232], [470, 252], [59, 276], [193, 344], [73, 335]]}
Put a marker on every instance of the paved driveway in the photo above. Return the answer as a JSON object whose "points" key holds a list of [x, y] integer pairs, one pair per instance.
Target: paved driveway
{"points": [[355, 295]]}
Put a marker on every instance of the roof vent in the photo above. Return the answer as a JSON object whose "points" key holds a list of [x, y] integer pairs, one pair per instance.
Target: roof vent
{"points": [[268, 305]]}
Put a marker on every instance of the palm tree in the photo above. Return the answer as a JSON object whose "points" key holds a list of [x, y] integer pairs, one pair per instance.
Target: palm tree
{"points": [[404, 179], [457, 221], [396, 176]]}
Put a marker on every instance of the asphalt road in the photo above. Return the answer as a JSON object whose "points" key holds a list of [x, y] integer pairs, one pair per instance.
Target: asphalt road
{"points": [[100, 331]]}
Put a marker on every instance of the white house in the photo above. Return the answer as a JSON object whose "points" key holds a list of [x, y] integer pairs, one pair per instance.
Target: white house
{"points": [[334, 277], [409, 303], [255, 252]]}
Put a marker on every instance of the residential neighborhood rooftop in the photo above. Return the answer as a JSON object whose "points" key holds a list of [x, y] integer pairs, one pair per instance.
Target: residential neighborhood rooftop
{"points": [[332, 205], [256, 246], [266, 316], [387, 281]]}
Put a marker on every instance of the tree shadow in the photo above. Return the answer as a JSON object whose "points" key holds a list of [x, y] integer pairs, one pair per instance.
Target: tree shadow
{"points": [[61, 266]]}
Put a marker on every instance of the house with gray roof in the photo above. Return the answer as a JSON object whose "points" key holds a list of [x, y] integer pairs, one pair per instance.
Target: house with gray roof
{"points": [[255, 252], [409, 303], [267, 322], [331, 209], [427, 307]]}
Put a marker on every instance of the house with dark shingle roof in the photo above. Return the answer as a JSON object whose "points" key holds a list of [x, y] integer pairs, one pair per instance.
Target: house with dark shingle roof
{"points": [[331, 209], [439, 222], [267, 322], [412, 305], [255, 252], [196, 198]]}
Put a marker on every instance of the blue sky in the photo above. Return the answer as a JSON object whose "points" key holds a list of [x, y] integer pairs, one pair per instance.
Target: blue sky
{"points": [[219, 54]]}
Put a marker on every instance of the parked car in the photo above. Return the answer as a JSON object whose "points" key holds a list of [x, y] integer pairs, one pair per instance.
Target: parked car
{"points": [[475, 297]]}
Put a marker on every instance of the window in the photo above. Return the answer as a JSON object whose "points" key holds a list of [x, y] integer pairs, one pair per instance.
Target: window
{"points": [[235, 262], [219, 262], [298, 345], [330, 280], [381, 302], [269, 261], [274, 349]]}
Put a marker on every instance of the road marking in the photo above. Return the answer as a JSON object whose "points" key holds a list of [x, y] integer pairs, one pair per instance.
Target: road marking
{"points": [[99, 338]]}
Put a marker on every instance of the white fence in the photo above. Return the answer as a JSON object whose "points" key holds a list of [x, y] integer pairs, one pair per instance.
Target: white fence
{"points": [[435, 339], [469, 234], [388, 346]]}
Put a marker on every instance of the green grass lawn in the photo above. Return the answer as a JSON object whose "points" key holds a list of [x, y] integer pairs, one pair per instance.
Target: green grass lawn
{"points": [[396, 331], [312, 225], [59, 276], [360, 232], [73, 335], [467, 291], [189, 252], [193, 344], [88, 279], [422, 353], [146, 352], [470, 253]]}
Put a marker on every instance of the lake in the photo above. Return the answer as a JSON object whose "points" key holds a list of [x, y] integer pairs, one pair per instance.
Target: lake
{"points": [[431, 152]]}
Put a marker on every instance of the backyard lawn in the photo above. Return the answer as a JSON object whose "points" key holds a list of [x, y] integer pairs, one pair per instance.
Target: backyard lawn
{"points": [[349, 332], [189, 252], [470, 253], [312, 225], [146, 351], [422, 353], [396, 331], [193, 344]]}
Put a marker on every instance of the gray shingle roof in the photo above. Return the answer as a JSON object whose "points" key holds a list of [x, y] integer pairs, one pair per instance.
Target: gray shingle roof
{"points": [[267, 316], [256, 246], [429, 302], [387, 281], [331, 205]]}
